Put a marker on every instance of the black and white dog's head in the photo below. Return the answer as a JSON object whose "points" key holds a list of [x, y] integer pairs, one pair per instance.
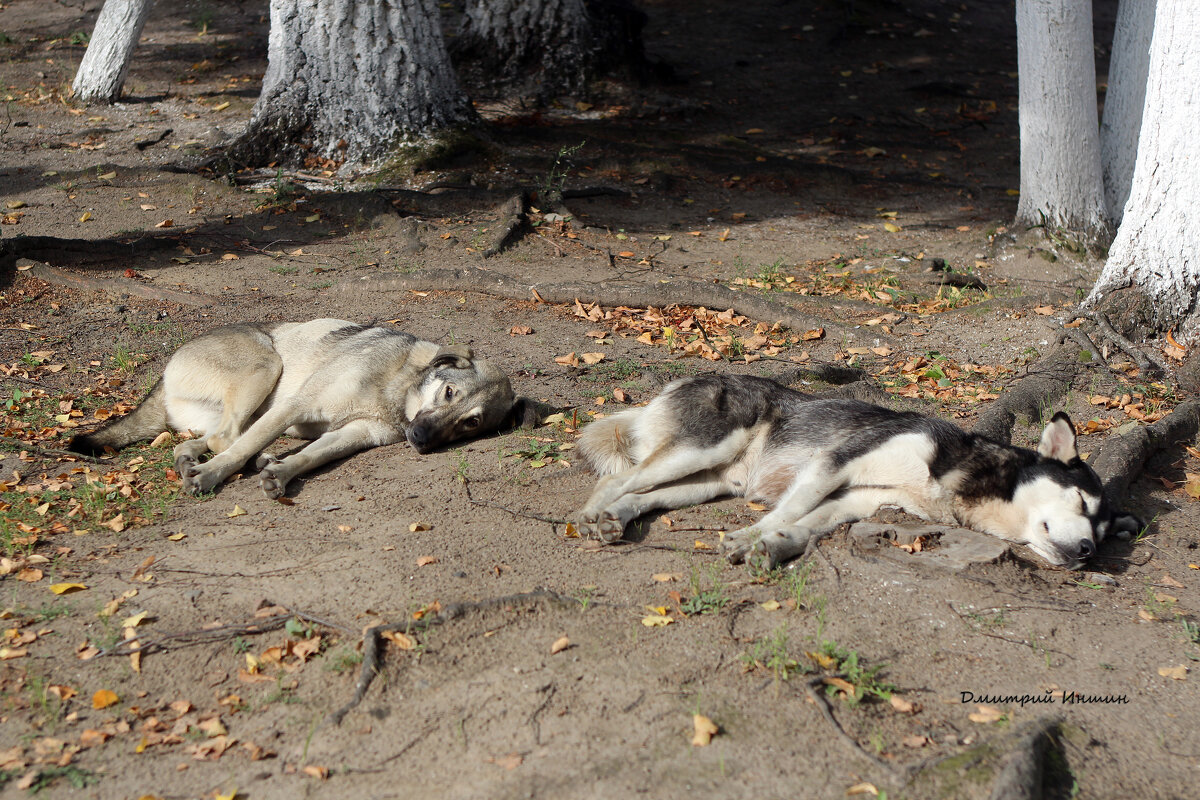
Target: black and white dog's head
{"points": [[1062, 501]]}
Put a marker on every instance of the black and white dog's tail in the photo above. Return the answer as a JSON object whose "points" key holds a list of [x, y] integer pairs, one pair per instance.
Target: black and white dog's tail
{"points": [[606, 445]]}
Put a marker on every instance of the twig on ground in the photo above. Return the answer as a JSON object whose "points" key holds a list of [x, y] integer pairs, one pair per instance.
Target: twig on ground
{"points": [[371, 637], [169, 641], [1022, 642], [811, 688]]}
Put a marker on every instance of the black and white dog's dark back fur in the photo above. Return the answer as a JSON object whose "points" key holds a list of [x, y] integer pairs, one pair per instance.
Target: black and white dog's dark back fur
{"points": [[819, 463]]}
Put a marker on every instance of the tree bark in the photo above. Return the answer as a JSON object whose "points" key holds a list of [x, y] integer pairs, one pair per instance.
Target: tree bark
{"points": [[1157, 248], [350, 81], [1122, 122], [102, 71], [1060, 140], [548, 47]]}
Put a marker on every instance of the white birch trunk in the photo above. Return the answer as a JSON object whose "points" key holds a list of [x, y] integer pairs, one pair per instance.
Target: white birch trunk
{"points": [[1123, 102], [350, 79], [102, 71], [1157, 249], [1060, 140]]}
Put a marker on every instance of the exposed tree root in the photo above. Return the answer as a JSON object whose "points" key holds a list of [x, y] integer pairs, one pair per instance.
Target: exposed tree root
{"points": [[115, 286], [1143, 359], [612, 293], [1046, 380], [512, 217], [1120, 459], [371, 637]]}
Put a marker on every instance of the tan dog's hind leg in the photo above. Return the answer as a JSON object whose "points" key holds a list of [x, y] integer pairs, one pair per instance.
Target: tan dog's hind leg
{"points": [[266, 429], [361, 434], [241, 388]]}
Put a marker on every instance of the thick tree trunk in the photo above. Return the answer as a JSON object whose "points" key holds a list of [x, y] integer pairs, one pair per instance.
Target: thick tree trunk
{"points": [[547, 47], [1060, 140], [102, 72], [351, 80], [1123, 102], [1157, 249]]}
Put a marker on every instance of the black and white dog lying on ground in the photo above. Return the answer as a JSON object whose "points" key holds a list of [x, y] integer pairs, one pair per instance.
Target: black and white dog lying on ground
{"points": [[819, 463]]}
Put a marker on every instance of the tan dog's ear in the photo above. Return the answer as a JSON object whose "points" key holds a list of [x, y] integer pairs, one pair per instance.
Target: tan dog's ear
{"points": [[454, 355], [529, 413]]}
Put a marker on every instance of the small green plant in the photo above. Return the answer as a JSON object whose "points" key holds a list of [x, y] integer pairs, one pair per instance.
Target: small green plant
{"points": [[865, 680], [344, 659], [550, 188], [78, 777], [1191, 636], [537, 452], [703, 600], [584, 596], [771, 654], [283, 270], [48, 704], [985, 622], [13, 403], [240, 645], [122, 359], [80, 38], [460, 466], [297, 628], [320, 285]]}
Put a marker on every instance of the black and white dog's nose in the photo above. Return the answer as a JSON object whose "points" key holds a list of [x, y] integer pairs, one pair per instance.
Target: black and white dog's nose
{"points": [[1086, 548]]}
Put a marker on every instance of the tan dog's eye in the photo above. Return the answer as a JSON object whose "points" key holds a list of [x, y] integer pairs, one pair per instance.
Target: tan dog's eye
{"points": [[449, 392], [471, 423]]}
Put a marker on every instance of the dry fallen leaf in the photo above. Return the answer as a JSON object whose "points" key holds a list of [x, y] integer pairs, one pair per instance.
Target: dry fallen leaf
{"points": [[237, 511], [656, 620], [560, 644], [419, 526], [425, 561], [862, 788], [986, 714], [520, 330], [104, 698], [403, 641], [904, 706], [67, 588], [510, 761], [704, 729], [1174, 673]]}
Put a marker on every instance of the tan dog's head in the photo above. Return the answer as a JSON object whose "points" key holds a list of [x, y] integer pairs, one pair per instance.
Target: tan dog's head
{"points": [[461, 397]]}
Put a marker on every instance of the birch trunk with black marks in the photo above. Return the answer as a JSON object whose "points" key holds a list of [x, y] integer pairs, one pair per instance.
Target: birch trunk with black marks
{"points": [[350, 81], [1127, 72], [548, 47], [102, 71], [1061, 181], [1156, 254]]}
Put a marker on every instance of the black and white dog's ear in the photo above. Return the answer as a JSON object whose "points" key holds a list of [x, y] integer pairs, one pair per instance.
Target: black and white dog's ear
{"points": [[1058, 440], [528, 413], [454, 355]]}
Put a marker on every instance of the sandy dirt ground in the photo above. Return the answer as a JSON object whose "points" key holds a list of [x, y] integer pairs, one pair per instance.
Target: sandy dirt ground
{"points": [[815, 156]]}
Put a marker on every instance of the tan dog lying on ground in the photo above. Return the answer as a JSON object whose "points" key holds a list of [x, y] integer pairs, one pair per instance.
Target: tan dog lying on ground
{"points": [[348, 387]]}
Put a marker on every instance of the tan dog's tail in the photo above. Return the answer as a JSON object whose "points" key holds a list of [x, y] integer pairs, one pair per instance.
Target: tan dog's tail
{"points": [[606, 445], [147, 420]]}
